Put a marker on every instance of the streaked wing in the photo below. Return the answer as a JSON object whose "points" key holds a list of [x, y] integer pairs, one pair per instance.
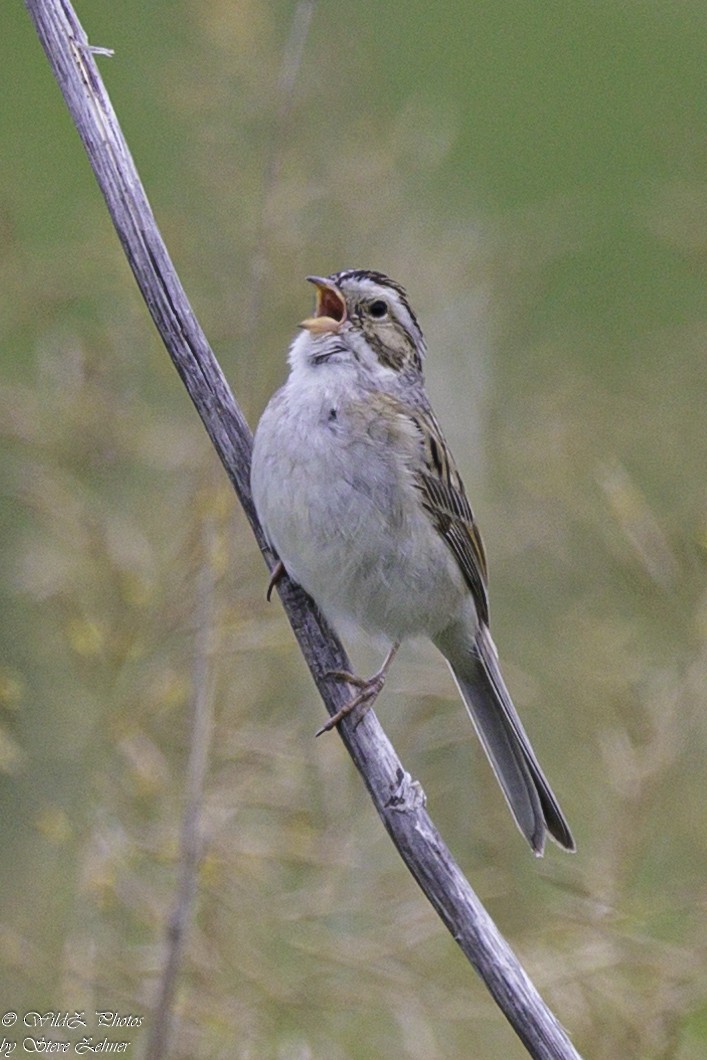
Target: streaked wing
{"points": [[444, 498]]}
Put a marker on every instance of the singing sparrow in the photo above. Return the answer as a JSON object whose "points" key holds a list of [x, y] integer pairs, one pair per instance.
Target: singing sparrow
{"points": [[359, 496]]}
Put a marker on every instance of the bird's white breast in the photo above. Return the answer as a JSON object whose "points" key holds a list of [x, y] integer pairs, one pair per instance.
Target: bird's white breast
{"points": [[338, 502]]}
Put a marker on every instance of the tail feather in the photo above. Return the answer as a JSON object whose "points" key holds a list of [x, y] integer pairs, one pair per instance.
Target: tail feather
{"points": [[507, 746]]}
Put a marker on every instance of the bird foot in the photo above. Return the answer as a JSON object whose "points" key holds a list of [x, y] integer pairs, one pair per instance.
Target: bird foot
{"points": [[370, 689], [278, 572]]}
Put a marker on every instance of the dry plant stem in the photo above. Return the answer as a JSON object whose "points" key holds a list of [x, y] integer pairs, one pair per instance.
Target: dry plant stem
{"points": [[399, 801], [191, 841]]}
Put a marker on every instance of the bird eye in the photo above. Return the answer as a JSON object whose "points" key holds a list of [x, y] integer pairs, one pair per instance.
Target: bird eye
{"points": [[378, 309]]}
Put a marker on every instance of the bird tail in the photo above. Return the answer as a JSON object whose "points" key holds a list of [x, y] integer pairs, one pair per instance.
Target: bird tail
{"points": [[529, 796]]}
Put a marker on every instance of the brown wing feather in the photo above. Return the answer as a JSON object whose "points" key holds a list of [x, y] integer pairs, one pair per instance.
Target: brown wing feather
{"points": [[444, 498]]}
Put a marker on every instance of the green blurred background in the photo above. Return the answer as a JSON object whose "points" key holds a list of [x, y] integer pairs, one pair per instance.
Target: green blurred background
{"points": [[536, 175]]}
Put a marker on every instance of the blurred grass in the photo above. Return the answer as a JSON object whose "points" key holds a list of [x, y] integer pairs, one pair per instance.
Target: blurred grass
{"points": [[535, 175]]}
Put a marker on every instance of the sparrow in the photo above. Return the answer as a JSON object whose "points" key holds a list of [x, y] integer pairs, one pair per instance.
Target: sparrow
{"points": [[359, 496]]}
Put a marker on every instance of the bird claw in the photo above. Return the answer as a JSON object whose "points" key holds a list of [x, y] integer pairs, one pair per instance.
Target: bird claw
{"points": [[278, 572], [351, 679], [370, 689]]}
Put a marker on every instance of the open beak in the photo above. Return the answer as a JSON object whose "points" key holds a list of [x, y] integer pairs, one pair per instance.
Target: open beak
{"points": [[329, 311]]}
